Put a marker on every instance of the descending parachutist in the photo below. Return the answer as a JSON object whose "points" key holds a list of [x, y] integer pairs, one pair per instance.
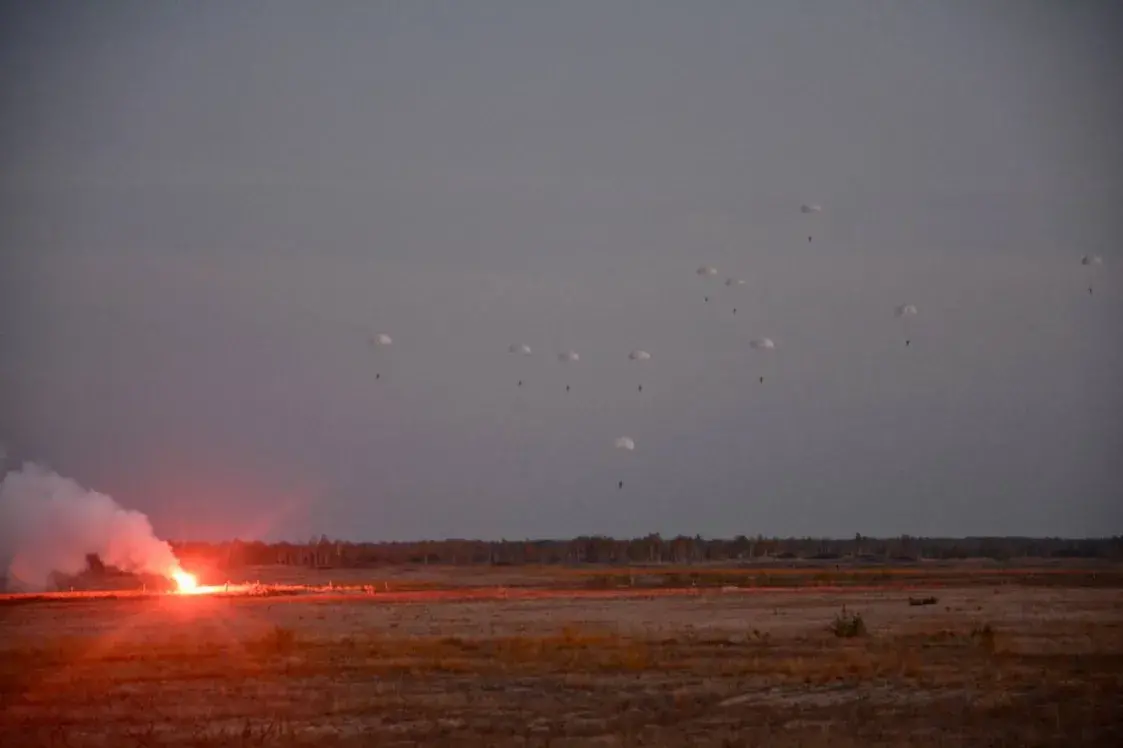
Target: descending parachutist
{"points": [[809, 238], [638, 355], [567, 388], [619, 485], [520, 383], [734, 310], [1091, 260], [762, 380], [377, 375], [903, 312], [707, 298]]}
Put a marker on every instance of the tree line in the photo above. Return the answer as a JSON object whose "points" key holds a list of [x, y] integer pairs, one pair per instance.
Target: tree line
{"points": [[324, 552]]}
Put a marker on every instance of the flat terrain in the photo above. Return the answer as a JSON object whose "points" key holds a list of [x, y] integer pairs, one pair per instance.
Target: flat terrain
{"points": [[688, 656]]}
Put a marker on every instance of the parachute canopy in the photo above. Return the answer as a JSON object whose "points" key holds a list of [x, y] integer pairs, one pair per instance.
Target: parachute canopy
{"points": [[1091, 260], [639, 355], [706, 270], [381, 339], [522, 348], [734, 282], [905, 310], [624, 442], [805, 208], [765, 344], [569, 356]]}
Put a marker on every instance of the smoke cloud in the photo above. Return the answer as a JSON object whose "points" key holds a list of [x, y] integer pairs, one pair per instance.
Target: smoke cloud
{"points": [[49, 523]]}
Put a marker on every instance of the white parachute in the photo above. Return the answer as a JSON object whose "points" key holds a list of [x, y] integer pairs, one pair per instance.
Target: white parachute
{"points": [[734, 282], [905, 310]]}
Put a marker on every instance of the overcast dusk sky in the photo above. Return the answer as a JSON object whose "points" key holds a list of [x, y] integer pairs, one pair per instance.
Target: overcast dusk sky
{"points": [[208, 208]]}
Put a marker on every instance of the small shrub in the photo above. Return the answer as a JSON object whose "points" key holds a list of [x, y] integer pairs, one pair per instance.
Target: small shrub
{"points": [[942, 636], [760, 636], [630, 658], [984, 636], [278, 641], [848, 625]]}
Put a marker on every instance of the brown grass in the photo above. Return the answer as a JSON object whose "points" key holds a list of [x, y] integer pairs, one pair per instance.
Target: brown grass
{"points": [[1025, 667]]}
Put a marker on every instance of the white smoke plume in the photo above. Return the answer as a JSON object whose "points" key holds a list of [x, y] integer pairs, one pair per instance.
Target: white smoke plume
{"points": [[49, 523]]}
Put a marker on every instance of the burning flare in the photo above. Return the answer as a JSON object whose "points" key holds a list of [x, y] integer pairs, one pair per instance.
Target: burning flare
{"points": [[186, 582]]}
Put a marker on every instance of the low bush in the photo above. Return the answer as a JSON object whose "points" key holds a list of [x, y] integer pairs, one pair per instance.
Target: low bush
{"points": [[848, 625]]}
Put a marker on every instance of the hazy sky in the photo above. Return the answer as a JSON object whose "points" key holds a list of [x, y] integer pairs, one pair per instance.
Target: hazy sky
{"points": [[207, 208]]}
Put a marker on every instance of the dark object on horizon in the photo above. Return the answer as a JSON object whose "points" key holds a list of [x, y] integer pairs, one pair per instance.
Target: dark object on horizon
{"points": [[923, 601], [707, 298], [377, 375], [619, 485], [762, 380], [809, 238], [567, 388], [520, 383], [1089, 290], [907, 343], [641, 388]]}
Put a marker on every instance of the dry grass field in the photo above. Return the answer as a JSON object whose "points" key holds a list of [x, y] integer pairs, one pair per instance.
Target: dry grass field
{"points": [[690, 656]]}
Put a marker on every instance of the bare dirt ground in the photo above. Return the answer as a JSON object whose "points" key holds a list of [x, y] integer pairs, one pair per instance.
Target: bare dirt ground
{"points": [[530, 658]]}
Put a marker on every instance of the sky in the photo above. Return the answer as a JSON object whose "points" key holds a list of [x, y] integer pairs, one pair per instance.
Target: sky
{"points": [[207, 209]]}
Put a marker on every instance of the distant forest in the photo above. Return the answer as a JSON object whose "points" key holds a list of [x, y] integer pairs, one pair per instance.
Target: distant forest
{"points": [[323, 552]]}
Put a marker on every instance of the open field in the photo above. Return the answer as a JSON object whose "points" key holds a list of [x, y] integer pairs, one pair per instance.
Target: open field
{"points": [[1005, 656]]}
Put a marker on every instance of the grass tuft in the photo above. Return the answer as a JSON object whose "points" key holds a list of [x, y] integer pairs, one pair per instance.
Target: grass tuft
{"points": [[848, 625], [985, 637], [922, 601], [277, 641]]}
